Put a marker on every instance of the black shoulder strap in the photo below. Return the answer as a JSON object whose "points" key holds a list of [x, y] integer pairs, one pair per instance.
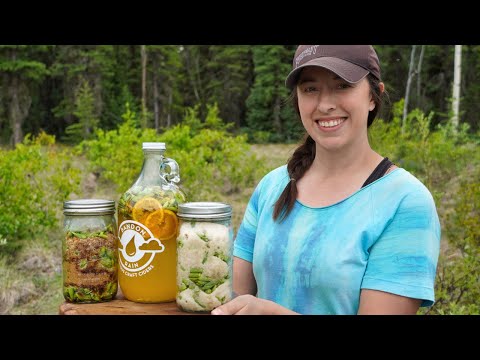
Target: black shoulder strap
{"points": [[379, 171]]}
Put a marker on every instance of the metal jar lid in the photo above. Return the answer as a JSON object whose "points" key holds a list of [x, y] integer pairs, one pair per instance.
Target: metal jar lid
{"points": [[89, 207], [204, 210], [154, 146]]}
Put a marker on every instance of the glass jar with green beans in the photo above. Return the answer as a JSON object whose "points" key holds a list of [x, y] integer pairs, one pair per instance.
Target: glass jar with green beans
{"points": [[89, 251], [204, 256]]}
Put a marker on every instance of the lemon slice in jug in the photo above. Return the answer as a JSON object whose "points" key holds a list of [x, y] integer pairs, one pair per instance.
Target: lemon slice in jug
{"points": [[144, 207]]}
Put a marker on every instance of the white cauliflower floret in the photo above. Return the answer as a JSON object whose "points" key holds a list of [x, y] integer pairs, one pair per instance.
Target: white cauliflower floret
{"points": [[216, 235], [191, 249], [215, 268], [220, 241], [223, 292], [217, 238], [190, 300], [210, 302], [187, 302]]}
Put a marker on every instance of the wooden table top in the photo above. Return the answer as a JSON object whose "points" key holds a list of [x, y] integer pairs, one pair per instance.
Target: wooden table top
{"points": [[122, 306]]}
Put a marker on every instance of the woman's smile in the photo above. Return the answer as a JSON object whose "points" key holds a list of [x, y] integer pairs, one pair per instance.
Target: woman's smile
{"points": [[330, 124]]}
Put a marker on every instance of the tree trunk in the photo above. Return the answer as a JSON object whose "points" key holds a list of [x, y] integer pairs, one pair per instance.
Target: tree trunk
{"points": [[19, 107], [198, 78], [169, 115], [191, 73], [155, 100], [456, 85], [411, 73], [277, 124], [97, 93], [143, 51], [419, 69], [15, 113]]}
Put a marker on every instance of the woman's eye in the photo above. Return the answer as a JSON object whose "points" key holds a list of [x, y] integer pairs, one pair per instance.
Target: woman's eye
{"points": [[344, 86], [309, 89]]}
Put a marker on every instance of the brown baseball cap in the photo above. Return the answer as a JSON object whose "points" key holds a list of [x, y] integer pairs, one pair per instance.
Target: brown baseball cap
{"points": [[351, 62]]}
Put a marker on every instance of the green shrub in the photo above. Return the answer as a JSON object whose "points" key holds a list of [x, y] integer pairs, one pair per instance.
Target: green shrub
{"points": [[447, 161], [117, 154], [458, 279], [457, 287], [260, 137], [434, 157], [463, 224], [36, 177]]}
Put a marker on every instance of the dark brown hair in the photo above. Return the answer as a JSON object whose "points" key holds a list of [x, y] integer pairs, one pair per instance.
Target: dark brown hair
{"points": [[304, 155]]}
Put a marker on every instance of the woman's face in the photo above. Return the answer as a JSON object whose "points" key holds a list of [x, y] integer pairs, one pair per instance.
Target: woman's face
{"points": [[333, 111]]}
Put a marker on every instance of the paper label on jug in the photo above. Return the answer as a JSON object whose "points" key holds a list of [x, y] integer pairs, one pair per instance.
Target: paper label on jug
{"points": [[137, 248]]}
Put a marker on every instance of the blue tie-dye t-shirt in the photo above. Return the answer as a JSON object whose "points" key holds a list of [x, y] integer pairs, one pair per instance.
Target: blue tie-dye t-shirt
{"points": [[385, 237]]}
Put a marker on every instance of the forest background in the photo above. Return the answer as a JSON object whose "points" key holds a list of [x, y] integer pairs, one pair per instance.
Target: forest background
{"points": [[73, 118]]}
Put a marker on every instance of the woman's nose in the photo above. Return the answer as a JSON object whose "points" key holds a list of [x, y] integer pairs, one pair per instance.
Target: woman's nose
{"points": [[326, 102]]}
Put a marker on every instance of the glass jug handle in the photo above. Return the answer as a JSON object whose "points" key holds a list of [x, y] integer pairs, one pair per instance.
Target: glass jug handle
{"points": [[172, 176]]}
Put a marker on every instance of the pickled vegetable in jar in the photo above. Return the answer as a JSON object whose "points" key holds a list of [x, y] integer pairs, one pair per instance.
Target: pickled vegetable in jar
{"points": [[204, 256], [89, 250], [148, 228]]}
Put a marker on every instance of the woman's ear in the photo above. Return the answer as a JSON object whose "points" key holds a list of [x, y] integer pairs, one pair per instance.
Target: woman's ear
{"points": [[372, 104], [381, 87]]}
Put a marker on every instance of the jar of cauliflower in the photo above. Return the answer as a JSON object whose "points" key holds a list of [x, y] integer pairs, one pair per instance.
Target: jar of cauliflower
{"points": [[204, 256]]}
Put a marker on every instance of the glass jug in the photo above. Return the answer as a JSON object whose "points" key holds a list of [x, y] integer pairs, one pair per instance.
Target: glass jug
{"points": [[148, 228]]}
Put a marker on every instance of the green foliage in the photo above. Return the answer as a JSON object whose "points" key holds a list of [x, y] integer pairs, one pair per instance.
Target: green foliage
{"points": [[212, 161], [471, 92], [122, 104], [266, 105], [440, 158], [430, 88], [433, 156], [35, 178], [458, 284], [191, 119], [457, 287], [212, 119], [21, 60], [117, 154], [229, 81], [167, 75], [463, 222], [247, 82], [258, 137], [85, 112]]}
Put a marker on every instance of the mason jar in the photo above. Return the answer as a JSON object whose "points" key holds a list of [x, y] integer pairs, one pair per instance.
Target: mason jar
{"points": [[204, 256], [89, 251]]}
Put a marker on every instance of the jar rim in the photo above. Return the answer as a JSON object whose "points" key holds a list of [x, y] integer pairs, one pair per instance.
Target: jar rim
{"points": [[89, 207], [154, 146], [204, 210]]}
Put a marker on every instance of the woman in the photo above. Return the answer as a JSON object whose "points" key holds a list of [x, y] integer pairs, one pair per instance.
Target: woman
{"points": [[339, 229]]}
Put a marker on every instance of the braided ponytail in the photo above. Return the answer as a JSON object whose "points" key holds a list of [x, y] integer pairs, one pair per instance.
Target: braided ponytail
{"points": [[298, 164]]}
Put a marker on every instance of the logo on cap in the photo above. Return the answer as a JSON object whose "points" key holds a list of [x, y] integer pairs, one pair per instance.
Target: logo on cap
{"points": [[312, 50]]}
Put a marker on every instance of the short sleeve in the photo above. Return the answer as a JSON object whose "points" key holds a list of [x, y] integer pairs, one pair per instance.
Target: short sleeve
{"points": [[403, 260], [245, 240]]}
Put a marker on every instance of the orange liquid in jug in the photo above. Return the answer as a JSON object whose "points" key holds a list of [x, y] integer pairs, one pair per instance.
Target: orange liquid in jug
{"points": [[148, 228]]}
